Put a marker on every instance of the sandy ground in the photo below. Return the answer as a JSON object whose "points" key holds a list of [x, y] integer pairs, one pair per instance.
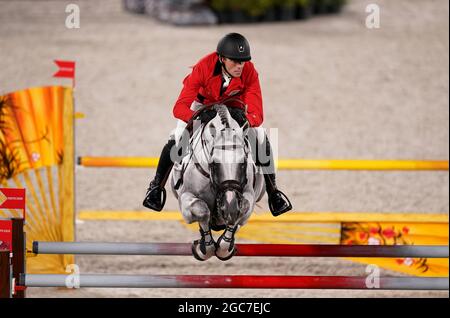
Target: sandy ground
{"points": [[332, 88]]}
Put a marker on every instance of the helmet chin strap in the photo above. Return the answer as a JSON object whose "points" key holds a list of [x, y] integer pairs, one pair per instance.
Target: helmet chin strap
{"points": [[224, 67]]}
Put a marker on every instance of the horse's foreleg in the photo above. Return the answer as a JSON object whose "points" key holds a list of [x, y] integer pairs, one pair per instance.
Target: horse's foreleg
{"points": [[196, 210], [226, 248], [205, 247]]}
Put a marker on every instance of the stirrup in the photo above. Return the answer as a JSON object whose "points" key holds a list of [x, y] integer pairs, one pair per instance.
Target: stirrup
{"points": [[285, 198], [150, 205]]}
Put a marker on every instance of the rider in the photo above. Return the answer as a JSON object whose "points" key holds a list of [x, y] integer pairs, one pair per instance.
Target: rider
{"points": [[219, 76]]}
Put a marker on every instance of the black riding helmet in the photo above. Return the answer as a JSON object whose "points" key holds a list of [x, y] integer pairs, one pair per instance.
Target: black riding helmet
{"points": [[235, 47]]}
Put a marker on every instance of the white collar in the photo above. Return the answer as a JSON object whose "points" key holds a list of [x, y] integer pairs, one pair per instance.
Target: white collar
{"points": [[227, 78]]}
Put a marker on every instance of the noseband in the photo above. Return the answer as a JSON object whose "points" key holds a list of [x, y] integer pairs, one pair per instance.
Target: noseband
{"points": [[230, 185]]}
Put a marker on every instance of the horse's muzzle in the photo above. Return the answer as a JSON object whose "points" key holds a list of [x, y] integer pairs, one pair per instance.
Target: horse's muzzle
{"points": [[230, 199]]}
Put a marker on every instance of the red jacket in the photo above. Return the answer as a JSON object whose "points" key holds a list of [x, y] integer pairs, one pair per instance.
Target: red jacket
{"points": [[204, 84]]}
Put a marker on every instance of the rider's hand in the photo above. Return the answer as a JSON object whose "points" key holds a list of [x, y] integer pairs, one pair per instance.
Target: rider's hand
{"points": [[206, 115]]}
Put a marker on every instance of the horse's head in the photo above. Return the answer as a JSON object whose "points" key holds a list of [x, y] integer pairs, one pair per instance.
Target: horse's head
{"points": [[228, 165]]}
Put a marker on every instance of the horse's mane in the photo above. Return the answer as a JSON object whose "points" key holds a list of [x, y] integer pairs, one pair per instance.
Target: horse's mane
{"points": [[223, 113]]}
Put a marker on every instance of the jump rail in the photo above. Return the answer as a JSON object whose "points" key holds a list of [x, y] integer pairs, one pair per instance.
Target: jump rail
{"points": [[265, 250], [283, 164], [218, 281]]}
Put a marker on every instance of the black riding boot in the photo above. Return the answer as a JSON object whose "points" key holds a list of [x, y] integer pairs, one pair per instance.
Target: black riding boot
{"points": [[156, 194], [278, 201]]}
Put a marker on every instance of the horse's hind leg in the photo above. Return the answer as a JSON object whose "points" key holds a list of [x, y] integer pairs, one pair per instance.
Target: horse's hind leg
{"points": [[196, 210]]}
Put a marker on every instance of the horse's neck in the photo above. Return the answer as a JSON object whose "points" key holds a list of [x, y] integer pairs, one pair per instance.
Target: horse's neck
{"points": [[200, 147]]}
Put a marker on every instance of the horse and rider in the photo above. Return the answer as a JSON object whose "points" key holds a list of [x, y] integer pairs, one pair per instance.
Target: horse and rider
{"points": [[220, 153]]}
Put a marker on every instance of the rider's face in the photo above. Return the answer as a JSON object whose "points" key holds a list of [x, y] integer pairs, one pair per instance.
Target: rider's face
{"points": [[233, 67]]}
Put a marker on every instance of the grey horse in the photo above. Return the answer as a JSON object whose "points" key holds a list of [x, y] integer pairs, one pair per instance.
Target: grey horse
{"points": [[217, 184]]}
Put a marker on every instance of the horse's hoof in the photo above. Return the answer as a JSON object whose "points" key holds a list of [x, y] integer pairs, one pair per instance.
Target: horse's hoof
{"points": [[229, 256], [202, 254], [224, 253]]}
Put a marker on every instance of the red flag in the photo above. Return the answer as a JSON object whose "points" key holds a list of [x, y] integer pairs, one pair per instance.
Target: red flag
{"points": [[66, 70], [12, 198]]}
